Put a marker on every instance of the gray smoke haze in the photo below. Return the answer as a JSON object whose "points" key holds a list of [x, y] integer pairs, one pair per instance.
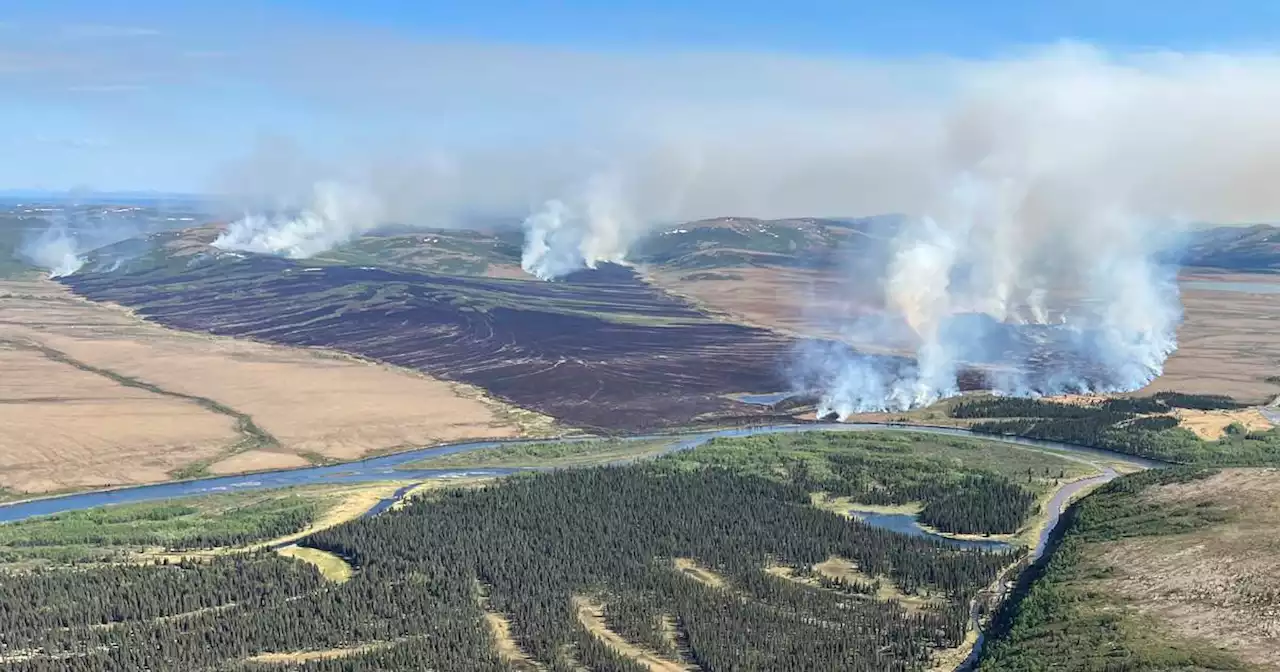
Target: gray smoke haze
{"points": [[63, 245], [1041, 191], [54, 249], [336, 214]]}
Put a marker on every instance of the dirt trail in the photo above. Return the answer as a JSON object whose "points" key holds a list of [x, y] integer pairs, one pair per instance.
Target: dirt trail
{"points": [[508, 648], [591, 615]]}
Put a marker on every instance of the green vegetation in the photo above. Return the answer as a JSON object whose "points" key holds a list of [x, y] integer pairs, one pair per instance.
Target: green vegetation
{"points": [[964, 486], [107, 533], [1125, 426], [740, 241], [1066, 622], [536, 548], [451, 252], [547, 454]]}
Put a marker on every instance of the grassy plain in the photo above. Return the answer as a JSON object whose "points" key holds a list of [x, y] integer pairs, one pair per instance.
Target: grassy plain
{"points": [[562, 454], [115, 532], [1219, 583], [1227, 343], [193, 527], [95, 396]]}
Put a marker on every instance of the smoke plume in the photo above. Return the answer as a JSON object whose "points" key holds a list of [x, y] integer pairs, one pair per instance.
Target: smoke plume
{"points": [[1041, 193], [336, 214], [563, 237], [67, 238], [55, 249], [1038, 253]]}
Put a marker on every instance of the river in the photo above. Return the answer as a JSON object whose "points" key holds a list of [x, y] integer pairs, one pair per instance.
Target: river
{"points": [[390, 468]]}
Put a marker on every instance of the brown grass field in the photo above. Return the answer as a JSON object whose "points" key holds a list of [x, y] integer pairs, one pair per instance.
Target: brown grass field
{"points": [[1221, 583], [94, 396], [1229, 342]]}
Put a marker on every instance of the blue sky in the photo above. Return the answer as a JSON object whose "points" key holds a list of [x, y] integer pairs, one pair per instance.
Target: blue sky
{"points": [[174, 96]]}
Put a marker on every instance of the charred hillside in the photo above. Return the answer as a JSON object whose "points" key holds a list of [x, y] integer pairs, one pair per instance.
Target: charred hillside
{"points": [[601, 350]]}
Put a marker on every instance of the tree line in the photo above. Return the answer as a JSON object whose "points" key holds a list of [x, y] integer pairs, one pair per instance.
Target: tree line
{"points": [[1122, 425], [529, 545]]}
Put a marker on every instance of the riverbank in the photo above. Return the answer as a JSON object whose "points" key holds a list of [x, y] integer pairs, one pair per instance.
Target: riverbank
{"points": [[391, 467], [398, 468]]}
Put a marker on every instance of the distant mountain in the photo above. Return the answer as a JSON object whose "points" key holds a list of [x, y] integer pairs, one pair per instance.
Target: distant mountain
{"points": [[705, 246], [743, 241], [1238, 248]]}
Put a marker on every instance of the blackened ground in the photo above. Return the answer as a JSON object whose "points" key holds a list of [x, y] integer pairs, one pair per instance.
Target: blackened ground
{"points": [[602, 350]]}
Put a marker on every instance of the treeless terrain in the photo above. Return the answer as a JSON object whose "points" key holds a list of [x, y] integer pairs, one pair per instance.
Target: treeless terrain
{"points": [[1220, 583], [1229, 341], [95, 396], [1212, 425], [61, 427]]}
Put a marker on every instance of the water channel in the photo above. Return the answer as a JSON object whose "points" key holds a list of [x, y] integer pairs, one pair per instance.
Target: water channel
{"points": [[397, 468]]}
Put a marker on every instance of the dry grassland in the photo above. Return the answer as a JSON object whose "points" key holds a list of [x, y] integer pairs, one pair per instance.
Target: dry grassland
{"points": [[62, 426], [774, 298], [332, 567], [1212, 425], [1229, 342], [504, 642], [344, 503], [1221, 583]]}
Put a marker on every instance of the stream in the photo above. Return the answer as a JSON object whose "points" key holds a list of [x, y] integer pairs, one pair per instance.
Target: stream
{"points": [[392, 468]]}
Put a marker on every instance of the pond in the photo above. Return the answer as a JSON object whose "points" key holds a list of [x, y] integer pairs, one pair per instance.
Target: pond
{"points": [[765, 399], [906, 523]]}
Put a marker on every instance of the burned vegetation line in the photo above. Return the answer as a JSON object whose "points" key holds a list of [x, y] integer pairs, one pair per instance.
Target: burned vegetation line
{"points": [[252, 435]]}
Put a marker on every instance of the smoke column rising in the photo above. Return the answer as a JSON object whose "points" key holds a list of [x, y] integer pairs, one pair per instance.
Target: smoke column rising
{"points": [[54, 249], [561, 237], [1041, 193], [336, 214]]}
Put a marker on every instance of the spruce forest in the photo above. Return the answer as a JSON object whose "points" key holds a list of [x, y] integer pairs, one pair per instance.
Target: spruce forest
{"points": [[710, 566]]}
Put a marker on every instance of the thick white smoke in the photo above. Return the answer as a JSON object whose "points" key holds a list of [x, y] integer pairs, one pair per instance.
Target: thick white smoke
{"points": [[563, 237], [1039, 192], [56, 250], [1059, 192], [336, 214]]}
